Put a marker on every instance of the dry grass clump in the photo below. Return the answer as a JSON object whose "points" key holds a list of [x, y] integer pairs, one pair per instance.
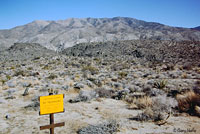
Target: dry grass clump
{"points": [[189, 102], [160, 84], [139, 103]]}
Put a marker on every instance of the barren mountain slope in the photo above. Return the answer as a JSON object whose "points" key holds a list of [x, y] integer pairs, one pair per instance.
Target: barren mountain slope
{"points": [[61, 34]]}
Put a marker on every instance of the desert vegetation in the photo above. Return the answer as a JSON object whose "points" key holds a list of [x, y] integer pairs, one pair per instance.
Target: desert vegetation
{"points": [[103, 94]]}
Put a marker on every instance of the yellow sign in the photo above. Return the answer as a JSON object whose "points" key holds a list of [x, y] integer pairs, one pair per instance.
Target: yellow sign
{"points": [[51, 104]]}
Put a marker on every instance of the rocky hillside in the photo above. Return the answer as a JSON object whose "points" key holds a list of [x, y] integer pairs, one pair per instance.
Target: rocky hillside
{"points": [[25, 51], [57, 35], [146, 50]]}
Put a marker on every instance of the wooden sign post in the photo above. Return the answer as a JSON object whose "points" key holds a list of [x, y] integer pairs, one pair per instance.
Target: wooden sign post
{"points": [[49, 105]]}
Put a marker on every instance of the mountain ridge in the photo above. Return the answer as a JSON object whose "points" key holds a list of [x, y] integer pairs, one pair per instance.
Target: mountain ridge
{"points": [[61, 34], [197, 28]]}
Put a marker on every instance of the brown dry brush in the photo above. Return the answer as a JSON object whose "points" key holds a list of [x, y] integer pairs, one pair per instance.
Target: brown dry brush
{"points": [[189, 102]]}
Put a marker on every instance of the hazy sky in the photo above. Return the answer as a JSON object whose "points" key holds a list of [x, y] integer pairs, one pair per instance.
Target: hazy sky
{"points": [[182, 13]]}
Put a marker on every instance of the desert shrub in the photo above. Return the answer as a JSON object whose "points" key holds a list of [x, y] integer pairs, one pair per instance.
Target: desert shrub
{"points": [[109, 127], [92, 69], [84, 96], [20, 72], [160, 109], [160, 84], [8, 77], [52, 76], [3, 81], [184, 75], [139, 103], [150, 115], [162, 103], [188, 101], [46, 67], [30, 68], [152, 91], [98, 61], [187, 66], [168, 67], [98, 83], [147, 115], [122, 74], [18, 65], [36, 58], [104, 93], [78, 86], [121, 94], [12, 68], [119, 66]]}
